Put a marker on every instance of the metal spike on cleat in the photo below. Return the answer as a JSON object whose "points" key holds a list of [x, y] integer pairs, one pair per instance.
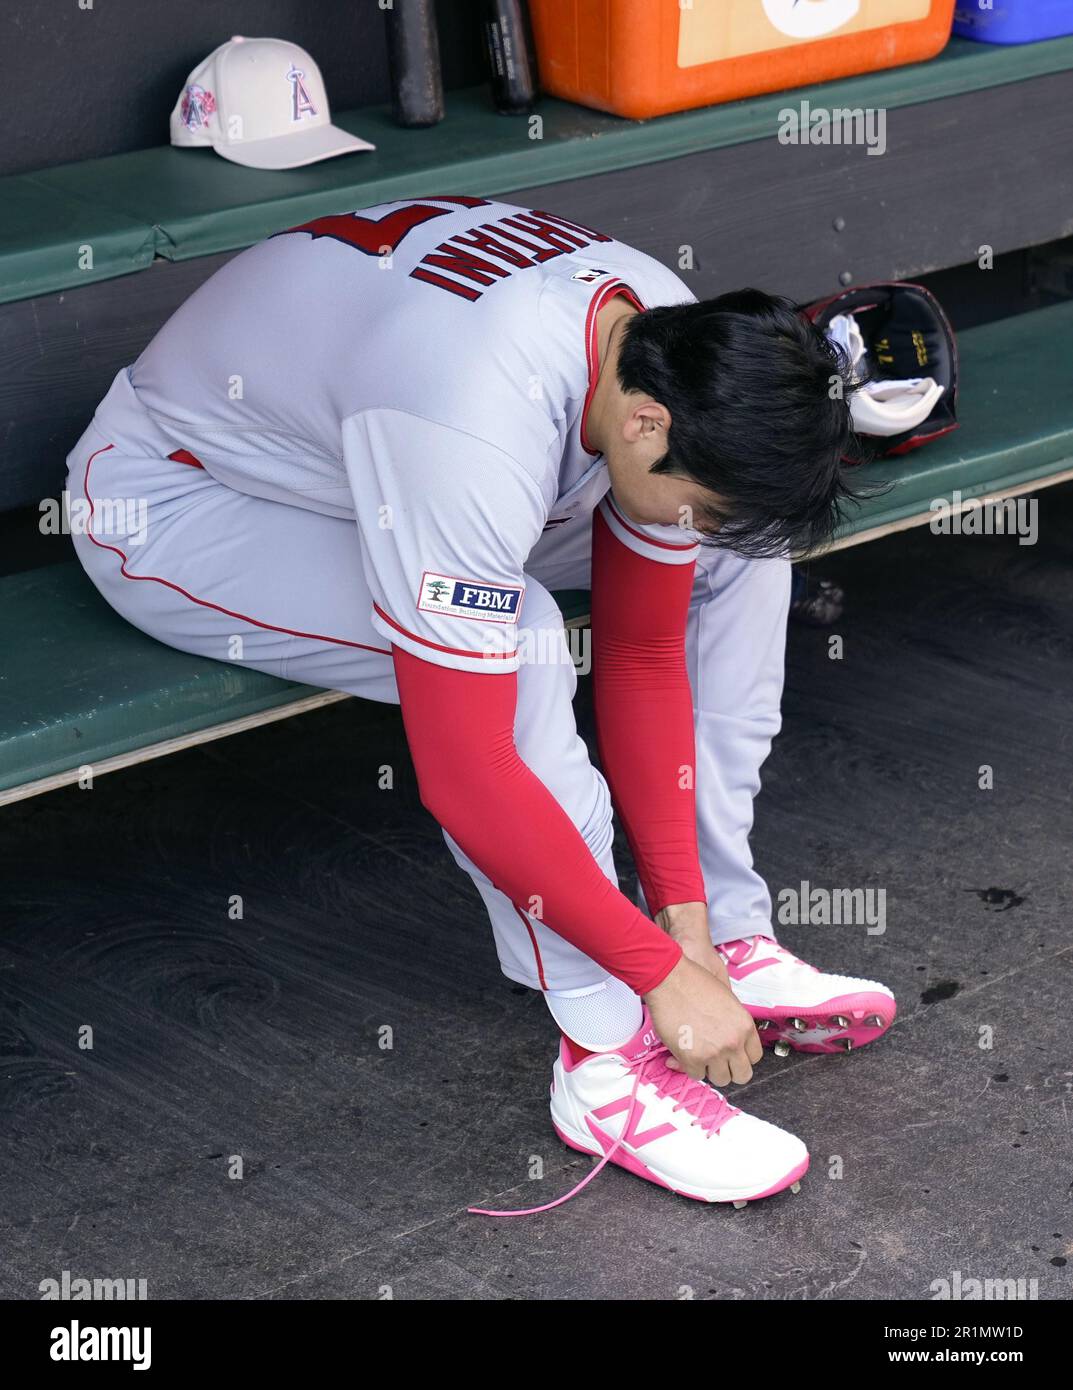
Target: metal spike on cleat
{"points": [[875, 1021], [799, 1025], [763, 1024], [839, 1021], [781, 1049], [738, 1205], [795, 1187], [846, 1043]]}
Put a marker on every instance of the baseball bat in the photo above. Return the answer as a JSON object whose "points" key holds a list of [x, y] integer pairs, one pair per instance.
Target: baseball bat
{"points": [[508, 38], [413, 49]]}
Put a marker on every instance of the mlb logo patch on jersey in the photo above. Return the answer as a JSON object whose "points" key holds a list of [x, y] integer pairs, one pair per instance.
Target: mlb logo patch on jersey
{"points": [[588, 276], [469, 598]]}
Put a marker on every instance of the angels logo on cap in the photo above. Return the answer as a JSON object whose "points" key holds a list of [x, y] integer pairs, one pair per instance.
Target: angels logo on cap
{"points": [[260, 102], [196, 106], [300, 102]]}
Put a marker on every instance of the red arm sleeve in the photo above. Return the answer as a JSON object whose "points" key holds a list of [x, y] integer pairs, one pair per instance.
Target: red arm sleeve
{"points": [[460, 727], [644, 709]]}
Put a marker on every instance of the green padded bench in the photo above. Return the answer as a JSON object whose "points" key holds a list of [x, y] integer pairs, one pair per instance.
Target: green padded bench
{"points": [[180, 204], [80, 687], [86, 688]]}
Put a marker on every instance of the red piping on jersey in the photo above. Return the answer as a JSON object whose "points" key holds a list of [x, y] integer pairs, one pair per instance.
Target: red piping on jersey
{"points": [[662, 545], [451, 651], [204, 603], [533, 943], [592, 344], [185, 456]]}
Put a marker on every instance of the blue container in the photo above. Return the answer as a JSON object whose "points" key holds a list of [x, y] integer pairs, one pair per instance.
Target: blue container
{"points": [[1013, 21]]}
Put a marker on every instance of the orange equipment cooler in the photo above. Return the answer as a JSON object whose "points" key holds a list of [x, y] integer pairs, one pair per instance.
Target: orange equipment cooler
{"points": [[647, 57]]}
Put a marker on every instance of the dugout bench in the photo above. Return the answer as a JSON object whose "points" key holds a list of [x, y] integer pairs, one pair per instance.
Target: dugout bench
{"points": [[95, 256]]}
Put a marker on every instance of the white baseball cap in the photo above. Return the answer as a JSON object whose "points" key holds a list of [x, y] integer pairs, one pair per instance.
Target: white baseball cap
{"points": [[260, 102]]}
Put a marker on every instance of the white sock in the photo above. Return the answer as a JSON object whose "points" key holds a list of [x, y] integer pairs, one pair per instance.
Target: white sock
{"points": [[599, 1017]]}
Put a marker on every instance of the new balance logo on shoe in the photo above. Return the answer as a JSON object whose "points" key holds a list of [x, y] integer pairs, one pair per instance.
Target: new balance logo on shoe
{"points": [[632, 1134], [736, 956]]}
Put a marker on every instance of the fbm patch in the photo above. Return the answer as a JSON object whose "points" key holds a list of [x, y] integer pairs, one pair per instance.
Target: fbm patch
{"points": [[469, 598]]}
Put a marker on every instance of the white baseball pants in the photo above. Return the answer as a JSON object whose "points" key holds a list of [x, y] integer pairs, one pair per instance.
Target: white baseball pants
{"points": [[197, 565]]}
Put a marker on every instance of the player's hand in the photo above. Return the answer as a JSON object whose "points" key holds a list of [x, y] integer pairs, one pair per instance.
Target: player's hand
{"points": [[711, 1035], [687, 924]]}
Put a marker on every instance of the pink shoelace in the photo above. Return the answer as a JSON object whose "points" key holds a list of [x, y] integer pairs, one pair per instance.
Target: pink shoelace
{"points": [[709, 1109], [741, 952]]}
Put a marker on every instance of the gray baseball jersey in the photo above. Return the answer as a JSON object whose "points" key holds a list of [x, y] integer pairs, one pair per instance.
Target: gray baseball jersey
{"points": [[421, 366]]}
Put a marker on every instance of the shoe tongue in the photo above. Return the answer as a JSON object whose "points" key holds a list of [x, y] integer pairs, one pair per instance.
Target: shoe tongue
{"points": [[642, 1041]]}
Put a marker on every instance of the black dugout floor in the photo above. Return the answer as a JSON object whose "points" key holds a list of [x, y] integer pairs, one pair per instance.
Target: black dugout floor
{"points": [[933, 1157]]}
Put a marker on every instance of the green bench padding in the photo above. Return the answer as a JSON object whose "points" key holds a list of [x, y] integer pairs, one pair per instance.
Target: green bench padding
{"points": [[78, 684], [185, 203], [51, 239]]}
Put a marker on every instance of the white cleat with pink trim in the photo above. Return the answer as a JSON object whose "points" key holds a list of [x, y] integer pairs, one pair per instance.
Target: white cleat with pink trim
{"points": [[796, 1005], [627, 1107]]}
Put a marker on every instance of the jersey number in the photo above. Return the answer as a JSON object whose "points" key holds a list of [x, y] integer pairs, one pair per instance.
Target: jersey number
{"points": [[380, 236]]}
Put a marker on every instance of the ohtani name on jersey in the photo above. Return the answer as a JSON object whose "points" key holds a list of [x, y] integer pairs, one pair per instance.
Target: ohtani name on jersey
{"points": [[481, 255], [469, 598], [493, 251]]}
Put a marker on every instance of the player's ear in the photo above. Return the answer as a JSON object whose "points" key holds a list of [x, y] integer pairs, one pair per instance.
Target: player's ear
{"points": [[655, 419]]}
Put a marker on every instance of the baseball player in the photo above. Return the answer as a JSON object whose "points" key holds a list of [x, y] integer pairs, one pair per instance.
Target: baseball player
{"points": [[370, 448]]}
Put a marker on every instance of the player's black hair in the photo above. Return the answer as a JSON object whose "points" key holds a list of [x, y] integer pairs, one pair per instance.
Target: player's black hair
{"points": [[759, 405]]}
